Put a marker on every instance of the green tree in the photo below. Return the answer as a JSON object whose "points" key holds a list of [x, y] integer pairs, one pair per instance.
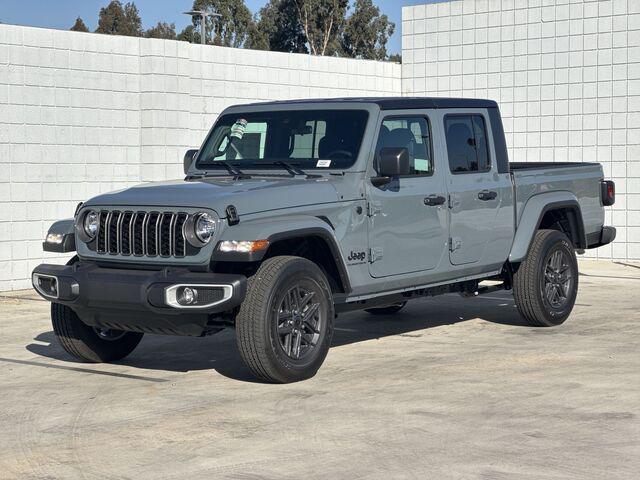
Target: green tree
{"points": [[396, 57], [163, 30], [114, 19], [79, 26], [322, 22], [278, 28], [366, 32], [233, 26], [189, 34]]}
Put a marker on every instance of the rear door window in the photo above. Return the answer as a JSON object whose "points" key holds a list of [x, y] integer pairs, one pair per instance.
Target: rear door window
{"points": [[467, 143]]}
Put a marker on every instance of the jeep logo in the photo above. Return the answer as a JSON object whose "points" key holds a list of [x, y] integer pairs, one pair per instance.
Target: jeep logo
{"points": [[356, 256]]}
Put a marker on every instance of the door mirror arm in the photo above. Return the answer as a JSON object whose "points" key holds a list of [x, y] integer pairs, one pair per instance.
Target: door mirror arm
{"points": [[188, 160], [380, 181]]}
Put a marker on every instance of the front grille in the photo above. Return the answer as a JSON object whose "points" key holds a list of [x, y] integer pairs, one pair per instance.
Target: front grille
{"points": [[151, 234]]}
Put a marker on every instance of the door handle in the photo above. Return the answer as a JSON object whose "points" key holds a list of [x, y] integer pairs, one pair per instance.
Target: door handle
{"points": [[486, 195], [434, 200]]}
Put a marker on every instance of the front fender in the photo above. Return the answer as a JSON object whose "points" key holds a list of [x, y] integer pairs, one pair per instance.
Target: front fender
{"points": [[532, 214], [65, 229], [282, 228]]}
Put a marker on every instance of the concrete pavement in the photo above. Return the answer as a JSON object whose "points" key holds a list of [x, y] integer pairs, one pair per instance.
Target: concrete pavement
{"points": [[449, 388]]}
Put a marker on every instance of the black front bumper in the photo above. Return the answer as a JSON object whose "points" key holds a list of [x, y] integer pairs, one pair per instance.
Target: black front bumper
{"points": [[134, 300]]}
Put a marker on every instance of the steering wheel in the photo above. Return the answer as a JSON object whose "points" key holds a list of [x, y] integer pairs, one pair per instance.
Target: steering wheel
{"points": [[340, 153]]}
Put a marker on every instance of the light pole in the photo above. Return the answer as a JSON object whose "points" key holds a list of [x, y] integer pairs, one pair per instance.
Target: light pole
{"points": [[203, 14]]}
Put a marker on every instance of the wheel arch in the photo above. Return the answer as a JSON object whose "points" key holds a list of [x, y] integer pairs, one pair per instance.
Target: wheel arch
{"points": [[307, 237], [557, 211]]}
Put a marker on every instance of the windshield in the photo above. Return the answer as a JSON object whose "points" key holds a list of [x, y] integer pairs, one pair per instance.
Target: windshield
{"points": [[306, 139]]}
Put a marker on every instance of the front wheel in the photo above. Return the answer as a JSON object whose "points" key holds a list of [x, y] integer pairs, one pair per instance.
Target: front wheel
{"points": [[285, 324], [545, 285], [90, 344]]}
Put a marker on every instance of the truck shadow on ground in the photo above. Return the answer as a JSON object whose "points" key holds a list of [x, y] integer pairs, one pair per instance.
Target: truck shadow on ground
{"points": [[219, 352]]}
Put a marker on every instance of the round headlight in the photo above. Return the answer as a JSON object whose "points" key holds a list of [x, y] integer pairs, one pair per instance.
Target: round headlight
{"points": [[91, 222], [205, 227]]}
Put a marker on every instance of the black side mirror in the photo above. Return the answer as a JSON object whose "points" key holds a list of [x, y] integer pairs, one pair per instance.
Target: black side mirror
{"points": [[393, 162], [188, 160]]}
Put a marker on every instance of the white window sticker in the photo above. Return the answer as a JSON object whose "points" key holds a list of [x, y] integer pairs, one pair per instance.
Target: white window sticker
{"points": [[323, 163]]}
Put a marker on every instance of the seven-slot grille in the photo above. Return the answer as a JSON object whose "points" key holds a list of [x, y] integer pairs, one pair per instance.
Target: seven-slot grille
{"points": [[152, 234]]}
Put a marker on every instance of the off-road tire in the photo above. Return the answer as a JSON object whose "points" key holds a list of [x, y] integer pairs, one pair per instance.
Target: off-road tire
{"points": [[257, 321], [83, 342], [528, 281], [388, 310]]}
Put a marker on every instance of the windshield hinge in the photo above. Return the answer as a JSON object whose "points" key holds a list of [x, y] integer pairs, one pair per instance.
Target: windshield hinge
{"points": [[373, 208], [375, 254]]}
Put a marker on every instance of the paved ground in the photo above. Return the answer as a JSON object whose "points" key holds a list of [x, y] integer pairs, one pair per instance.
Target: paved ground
{"points": [[450, 388]]}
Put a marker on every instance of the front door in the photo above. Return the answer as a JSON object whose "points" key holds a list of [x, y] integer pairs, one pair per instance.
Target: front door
{"points": [[408, 217], [480, 198]]}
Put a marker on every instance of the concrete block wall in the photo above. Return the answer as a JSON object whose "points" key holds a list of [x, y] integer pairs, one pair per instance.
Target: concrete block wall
{"points": [[82, 114], [566, 74]]}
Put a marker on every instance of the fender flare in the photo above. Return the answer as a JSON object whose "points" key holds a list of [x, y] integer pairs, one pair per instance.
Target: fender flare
{"points": [[534, 211], [278, 229], [67, 229]]}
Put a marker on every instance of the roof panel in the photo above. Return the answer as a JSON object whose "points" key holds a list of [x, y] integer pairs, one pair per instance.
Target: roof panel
{"points": [[395, 103]]}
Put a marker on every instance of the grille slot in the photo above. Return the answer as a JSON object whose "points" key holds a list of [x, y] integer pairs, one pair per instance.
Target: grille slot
{"points": [[151, 234]]}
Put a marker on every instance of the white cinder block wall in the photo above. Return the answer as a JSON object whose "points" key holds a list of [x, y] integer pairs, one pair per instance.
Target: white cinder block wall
{"points": [[566, 74], [82, 114]]}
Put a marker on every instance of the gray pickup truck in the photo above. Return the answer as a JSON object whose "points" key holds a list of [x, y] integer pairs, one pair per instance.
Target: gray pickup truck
{"points": [[292, 212]]}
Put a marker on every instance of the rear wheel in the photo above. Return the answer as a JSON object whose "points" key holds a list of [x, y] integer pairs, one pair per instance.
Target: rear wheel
{"points": [[90, 344], [285, 324], [546, 284], [388, 310]]}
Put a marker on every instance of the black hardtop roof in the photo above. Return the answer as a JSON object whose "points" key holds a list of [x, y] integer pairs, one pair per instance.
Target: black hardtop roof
{"points": [[394, 103]]}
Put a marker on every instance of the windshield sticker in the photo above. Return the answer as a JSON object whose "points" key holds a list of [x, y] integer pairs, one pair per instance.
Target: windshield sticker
{"points": [[323, 164], [238, 128]]}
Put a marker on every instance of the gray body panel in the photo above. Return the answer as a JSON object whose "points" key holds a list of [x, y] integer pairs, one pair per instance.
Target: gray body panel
{"points": [[414, 239]]}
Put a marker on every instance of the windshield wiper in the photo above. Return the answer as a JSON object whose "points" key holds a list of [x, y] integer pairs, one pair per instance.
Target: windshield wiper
{"points": [[232, 169], [292, 169]]}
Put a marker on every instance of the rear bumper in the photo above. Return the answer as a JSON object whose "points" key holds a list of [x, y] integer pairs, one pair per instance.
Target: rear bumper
{"points": [[138, 300], [604, 237]]}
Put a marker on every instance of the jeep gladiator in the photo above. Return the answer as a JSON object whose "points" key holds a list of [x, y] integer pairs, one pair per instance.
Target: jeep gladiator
{"points": [[292, 212]]}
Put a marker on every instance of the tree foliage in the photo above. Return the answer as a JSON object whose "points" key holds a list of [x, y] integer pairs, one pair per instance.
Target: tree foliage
{"points": [[189, 34], [233, 26], [366, 32], [278, 29], [162, 30], [114, 19], [79, 26], [322, 21]]}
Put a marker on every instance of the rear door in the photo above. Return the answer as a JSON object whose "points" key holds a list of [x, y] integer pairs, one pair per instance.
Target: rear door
{"points": [[480, 198], [408, 217]]}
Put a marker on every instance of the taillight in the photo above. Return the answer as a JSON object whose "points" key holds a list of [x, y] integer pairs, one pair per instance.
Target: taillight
{"points": [[608, 192]]}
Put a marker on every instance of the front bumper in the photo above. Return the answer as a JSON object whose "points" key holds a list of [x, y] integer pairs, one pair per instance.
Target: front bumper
{"points": [[138, 300]]}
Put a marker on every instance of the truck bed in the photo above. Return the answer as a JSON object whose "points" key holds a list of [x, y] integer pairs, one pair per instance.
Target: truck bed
{"points": [[581, 179]]}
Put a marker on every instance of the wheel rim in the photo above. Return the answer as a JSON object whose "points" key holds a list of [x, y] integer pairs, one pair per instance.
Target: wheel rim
{"points": [[299, 322], [558, 279], [109, 334]]}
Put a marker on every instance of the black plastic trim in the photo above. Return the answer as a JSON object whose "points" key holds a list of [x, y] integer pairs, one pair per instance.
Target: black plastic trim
{"points": [[602, 238], [133, 298], [499, 140], [575, 220], [68, 244]]}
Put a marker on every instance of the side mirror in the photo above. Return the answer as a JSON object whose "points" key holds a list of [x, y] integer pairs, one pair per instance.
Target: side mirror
{"points": [[393, 162], [188, 160]]}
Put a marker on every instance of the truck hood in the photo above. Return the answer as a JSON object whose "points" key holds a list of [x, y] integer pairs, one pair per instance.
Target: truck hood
{"points": [[254, 195]]}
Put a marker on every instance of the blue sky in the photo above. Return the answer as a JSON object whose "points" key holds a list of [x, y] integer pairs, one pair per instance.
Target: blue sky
{"points": [[62, 13]]}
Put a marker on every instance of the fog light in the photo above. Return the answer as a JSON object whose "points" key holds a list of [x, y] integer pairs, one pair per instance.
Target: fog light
{"points": [[46, 285], [189, 296]]}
